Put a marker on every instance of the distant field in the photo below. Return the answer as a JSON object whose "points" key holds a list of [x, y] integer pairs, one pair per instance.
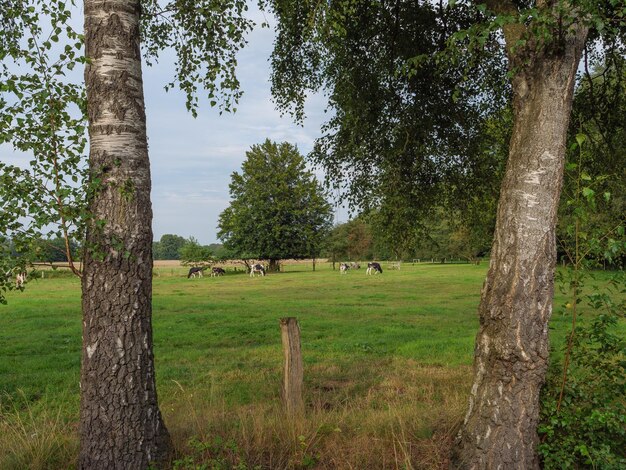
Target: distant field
{"points": [[387, 365]]}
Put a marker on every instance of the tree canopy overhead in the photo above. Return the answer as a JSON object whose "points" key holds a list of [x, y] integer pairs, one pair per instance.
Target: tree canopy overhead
{"points": [[405, 126], [278, 209]]}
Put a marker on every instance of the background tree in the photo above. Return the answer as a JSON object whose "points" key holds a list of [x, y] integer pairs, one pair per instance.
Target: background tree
{"points": [[54, 250], [277, 210], [350, 241], [221, 253], [194, 254], [359, 240], [168, 247], [336, 244]]}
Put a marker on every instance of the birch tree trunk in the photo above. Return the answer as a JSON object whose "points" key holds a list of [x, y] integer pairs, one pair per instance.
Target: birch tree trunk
{"points": [[120, 422], [511, 352]]}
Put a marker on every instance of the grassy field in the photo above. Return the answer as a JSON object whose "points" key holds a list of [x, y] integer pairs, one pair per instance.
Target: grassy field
{"points": [[387, 366]]}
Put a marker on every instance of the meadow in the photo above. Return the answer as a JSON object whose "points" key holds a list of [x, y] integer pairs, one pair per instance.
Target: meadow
{"points": [[387, 363]]}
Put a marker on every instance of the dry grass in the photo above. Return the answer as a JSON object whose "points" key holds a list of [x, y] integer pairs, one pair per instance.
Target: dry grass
{"points": [[406, 421], [36, 439]]}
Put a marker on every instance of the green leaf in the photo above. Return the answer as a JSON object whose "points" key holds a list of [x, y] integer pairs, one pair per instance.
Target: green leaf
{"points": [[588, 192]]}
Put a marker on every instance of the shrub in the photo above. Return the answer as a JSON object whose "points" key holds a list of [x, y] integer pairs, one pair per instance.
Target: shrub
{"points": [[583, 417]]}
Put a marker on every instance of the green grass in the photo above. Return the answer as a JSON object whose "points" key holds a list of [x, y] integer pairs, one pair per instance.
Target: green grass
{"points": [[372, 345]]}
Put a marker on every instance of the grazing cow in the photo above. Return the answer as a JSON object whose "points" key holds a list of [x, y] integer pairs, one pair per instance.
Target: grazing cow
{"points": [[20, 279], [217, 272], [343, 268], [257, 268], [196, 271], [355, 266], [375, 267]]}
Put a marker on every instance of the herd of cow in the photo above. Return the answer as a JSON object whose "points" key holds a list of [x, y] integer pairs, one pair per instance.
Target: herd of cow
{"points": [[215, 271], [197, 271], [372, 268]]}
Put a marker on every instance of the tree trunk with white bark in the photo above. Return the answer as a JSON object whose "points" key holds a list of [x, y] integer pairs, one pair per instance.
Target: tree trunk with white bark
{"points": [[511, 352], [120, 422]]}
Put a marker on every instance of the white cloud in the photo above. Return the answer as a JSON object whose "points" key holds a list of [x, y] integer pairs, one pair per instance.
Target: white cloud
{"points": [[192, 159], [193, 156]]}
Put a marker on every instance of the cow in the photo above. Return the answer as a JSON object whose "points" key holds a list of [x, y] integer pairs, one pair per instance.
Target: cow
{"points": [[343, 268], [20, 279], [257, 268], [217, 272], [355, 266], [375, 267], [196, 271]]}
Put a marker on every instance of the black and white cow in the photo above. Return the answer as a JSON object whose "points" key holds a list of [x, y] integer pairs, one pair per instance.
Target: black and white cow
{"points": [[196, 271], [217, 272], [355, 266], [257, 269], [373, 267], [343, 268]]}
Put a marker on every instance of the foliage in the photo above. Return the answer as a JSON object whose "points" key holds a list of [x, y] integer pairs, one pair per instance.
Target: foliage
{"points": [[405, 127], [42, 116], [278, 210], [599, 169], [42, 107], [194, 254], [168, 247], [583, 418], [206, 36], [583, 421]]}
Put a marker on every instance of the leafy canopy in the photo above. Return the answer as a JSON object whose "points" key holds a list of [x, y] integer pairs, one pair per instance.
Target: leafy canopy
{"points": [[404, 124], [194, 254], [278, 209]]}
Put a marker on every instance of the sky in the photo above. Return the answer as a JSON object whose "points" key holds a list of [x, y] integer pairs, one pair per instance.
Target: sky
{"points": [[192, 159]]}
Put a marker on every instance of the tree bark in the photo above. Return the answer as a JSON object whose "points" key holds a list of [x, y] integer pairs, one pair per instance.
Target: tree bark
{"points": [[274, 265], [120, 422], [511, 352]]}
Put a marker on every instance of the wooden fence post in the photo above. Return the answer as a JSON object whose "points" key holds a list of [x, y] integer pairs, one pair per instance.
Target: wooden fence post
{"points": [[293, 378]]}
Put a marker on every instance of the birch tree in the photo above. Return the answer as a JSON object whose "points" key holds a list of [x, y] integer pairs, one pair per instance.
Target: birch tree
{"points": [[120, 422]]}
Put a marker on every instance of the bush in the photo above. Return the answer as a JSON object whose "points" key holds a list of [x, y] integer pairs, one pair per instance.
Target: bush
{"points": [[583, 418]]}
